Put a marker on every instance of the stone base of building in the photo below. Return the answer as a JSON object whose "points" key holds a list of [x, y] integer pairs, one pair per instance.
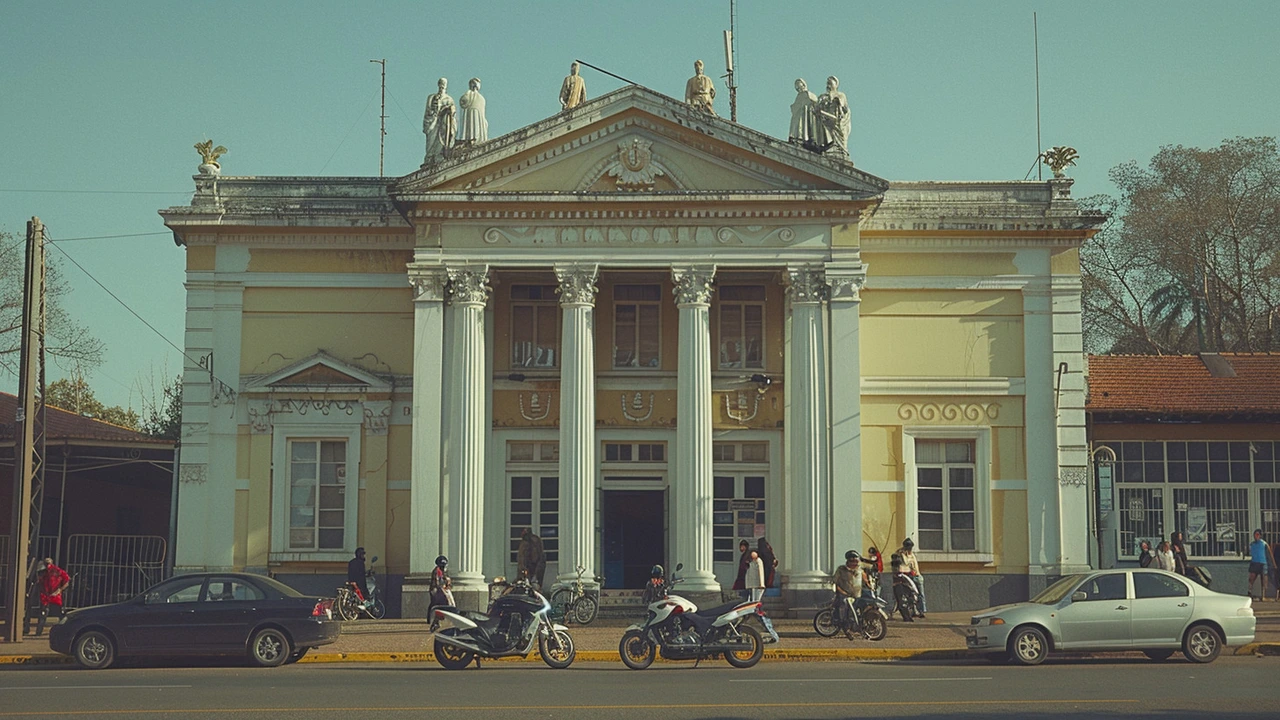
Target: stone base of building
{"points": [[963, 592], [415, 597]]}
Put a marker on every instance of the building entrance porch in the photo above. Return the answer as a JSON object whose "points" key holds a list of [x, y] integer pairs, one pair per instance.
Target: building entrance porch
{"points": [[633, 535]]}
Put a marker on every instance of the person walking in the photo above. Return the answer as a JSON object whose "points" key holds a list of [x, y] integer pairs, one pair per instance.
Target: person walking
{"points": [[744, 559], [52, 580], [1145, 554], [770, 560], [1179, 553], [755, 581], [1261, 561], [1164, 559], [531, 557], [912, 567]]}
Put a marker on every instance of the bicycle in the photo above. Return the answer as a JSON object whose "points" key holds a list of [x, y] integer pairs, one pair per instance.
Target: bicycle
{"points": [[350, 606], [577, 603]]}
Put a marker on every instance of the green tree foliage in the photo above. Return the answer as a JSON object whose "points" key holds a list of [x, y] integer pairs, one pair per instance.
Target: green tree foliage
{"points": [[1190, 260], [75, 395]]}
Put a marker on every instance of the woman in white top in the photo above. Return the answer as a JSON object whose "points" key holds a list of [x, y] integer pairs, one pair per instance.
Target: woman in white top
{"points": [[1164, 557]]}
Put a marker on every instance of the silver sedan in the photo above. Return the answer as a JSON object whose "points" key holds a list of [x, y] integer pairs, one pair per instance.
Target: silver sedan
{"points": [[1153, 611]]}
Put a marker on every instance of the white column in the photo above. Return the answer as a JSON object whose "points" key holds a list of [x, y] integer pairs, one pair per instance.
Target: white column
{"points": [[846, 409], [1043, 532], [693, 482], [425, 541], [469, 293], [809, 478], [1073, 451], [577, 421]]}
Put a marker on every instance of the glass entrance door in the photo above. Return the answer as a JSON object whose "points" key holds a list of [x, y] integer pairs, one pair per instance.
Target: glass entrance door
{"points": [[633, 534]]}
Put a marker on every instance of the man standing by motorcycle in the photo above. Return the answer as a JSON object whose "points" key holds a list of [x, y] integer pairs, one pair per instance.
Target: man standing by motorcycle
{"points": [[849, 580], [356, 576]]}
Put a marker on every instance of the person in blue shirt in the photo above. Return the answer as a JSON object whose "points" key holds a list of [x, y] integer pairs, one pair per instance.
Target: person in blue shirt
{"points": [[1260, 559]]}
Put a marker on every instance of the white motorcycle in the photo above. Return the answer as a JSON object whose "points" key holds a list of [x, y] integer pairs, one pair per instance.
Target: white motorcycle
{"points": [[680, 631]]}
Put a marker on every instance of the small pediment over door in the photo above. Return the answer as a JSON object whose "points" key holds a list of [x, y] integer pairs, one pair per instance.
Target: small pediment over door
{"points": [[320, 373]]}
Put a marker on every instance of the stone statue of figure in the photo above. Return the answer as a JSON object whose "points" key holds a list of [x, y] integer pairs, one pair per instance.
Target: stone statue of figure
{"points": [[700, 91], [473, 128], [574, 90], [802, 120], [832, 113], [439, 123]]}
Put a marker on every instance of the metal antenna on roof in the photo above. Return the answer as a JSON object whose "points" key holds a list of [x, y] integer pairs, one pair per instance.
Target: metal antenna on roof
{"points": [[730, 54], [1035, 31], [382, 136]]}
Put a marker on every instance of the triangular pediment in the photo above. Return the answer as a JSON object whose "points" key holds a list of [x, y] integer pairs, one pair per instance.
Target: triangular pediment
{"points": [[321, 372], [636, 140]]}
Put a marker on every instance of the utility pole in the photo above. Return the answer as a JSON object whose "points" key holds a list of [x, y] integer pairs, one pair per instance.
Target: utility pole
{"points": [[382, 135], [729, 54], [28, 466]]}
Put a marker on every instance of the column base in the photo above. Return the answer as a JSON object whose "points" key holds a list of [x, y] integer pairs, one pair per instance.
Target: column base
{"points": [[697, 581], [807, 580], [469, 582]]}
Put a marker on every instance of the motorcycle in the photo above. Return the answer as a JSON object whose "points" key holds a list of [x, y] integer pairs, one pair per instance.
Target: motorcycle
{"points": [[351, 606], [516, 621], [680, 631], [868, 618]]}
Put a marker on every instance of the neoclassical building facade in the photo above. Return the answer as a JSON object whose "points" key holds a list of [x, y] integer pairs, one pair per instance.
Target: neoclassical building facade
{"points": [[647, 334]]}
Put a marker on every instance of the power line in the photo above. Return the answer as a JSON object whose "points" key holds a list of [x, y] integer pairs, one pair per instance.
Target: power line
{"points": [[112, 237], [344, 137], [100, 192]]}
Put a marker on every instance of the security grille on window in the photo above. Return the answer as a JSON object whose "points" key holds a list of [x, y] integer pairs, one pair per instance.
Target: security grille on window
{"points": [[535, 326], [741, 314], [317, 494], [946, 502], [637, 312]]}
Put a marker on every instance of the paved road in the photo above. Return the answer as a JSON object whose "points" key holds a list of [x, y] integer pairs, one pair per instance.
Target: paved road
{"points": [[1230, 688]]}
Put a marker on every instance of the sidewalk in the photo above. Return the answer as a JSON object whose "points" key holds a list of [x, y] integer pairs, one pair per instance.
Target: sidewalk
{"points": [[940, 637]]}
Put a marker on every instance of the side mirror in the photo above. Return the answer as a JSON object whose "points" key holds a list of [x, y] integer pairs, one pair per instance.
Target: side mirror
{"points": [[1079, 596], [679, 567]]}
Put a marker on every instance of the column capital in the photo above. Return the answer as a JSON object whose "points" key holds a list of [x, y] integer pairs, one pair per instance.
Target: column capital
{"points": [[846, 283], [469, 284], [429, 284], [693, 284], [577, 284], [807, 285]]}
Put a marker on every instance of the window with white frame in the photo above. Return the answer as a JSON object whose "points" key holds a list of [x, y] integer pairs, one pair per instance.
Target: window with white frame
{"points": [[635, 452], [637, 326], [317, 494], [738, 496], [741, 326], [946, 492], [534, 495], [535, 326]]}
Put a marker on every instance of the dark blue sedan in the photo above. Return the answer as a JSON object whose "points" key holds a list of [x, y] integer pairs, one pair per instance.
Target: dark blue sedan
{"points": [[203, 614]]}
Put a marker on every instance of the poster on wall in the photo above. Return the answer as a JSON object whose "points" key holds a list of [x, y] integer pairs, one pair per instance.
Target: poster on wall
{"points": [[1197, 524]]}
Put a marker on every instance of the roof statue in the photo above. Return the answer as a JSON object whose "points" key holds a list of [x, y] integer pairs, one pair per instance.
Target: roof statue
{"points": [[700, 90], [1059, 158], [209, 156], [802, 117], [473, 127], [832, 112], [439, 123], [573, 92]]}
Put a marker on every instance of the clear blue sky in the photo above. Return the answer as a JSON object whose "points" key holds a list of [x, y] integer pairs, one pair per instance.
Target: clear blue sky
{"points": [[111, 96]]}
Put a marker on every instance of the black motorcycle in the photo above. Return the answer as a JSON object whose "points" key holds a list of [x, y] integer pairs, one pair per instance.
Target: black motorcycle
{"points": [[867, 619], [516, 621]]}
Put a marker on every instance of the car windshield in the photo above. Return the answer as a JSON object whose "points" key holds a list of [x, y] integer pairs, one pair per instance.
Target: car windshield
{"points": [[1054, 594]]}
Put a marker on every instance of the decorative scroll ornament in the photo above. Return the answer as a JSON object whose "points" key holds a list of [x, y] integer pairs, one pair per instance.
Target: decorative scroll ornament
{"points": [[637, 404], [949, 412], [535, 404], [1073, 476], [846, 287], [377, 417], [693, 284], [577, 284], [260, 417], [429, 284], [193, 473], [469, 285], [633, 167], [302, 407], [807, 285], [742, 417], [755, 235]]}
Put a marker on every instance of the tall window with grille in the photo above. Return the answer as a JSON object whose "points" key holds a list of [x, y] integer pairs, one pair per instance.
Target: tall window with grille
{"points": [[738, 496], [637, 326], [535, 326], [317, 494], [741, 326], [946, 507], [534, 492]]}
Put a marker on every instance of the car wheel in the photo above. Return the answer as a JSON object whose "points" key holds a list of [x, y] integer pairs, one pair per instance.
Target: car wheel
{"points": [[636, 651], [269, 647], [452, 657], [824, 623], [95, 650], [1202, 644], [1028, 646], [1158, 654]]}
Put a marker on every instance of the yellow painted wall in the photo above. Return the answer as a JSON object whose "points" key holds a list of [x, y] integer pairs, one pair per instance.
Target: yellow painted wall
{"points": [[939, 263], [399, 452], [239, 557], [200, 258], [287, 260], [942, 346], [397, 561], [1009, 513], [882, 521], [259, 538], [281, 326], [942, 303], [1065, 262]]}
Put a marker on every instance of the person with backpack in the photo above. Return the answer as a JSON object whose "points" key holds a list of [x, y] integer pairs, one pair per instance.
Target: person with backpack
{"points": [[1145, 555]]}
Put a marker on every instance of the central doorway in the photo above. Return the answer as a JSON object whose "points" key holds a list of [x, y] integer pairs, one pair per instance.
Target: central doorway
{"points": [[633, 534]]}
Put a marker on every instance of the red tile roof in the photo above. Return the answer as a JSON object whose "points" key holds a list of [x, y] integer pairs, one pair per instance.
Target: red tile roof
{"points": [[63, 425], [1182, 384]]}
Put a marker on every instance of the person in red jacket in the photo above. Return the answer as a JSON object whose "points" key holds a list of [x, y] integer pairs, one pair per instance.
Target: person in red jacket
{"points": [[53, 580]]}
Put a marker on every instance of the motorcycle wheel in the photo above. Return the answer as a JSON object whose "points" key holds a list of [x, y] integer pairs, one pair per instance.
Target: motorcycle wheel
{"points": [[824, 623], [747, 658], [636, 651], [452, 657], [378, 610], [557, 657], [584, 611], [346, 607], [874, 626]]}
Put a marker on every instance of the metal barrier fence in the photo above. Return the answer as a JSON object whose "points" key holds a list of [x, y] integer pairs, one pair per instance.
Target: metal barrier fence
{"points": [[111, 568]]}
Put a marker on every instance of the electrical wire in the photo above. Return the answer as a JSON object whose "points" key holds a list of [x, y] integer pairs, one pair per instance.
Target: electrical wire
{"points": [[344, 137], [100, 192], [112, 237]]}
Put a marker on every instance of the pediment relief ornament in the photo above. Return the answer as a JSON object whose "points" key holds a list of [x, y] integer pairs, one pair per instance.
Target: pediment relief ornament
{"points": [[195, 473], [949, 412], [637, 404], [633, 166]]}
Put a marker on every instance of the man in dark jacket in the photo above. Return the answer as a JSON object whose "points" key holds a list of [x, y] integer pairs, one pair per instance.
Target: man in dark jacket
{"points": [[356, 574], [531, 559]]}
